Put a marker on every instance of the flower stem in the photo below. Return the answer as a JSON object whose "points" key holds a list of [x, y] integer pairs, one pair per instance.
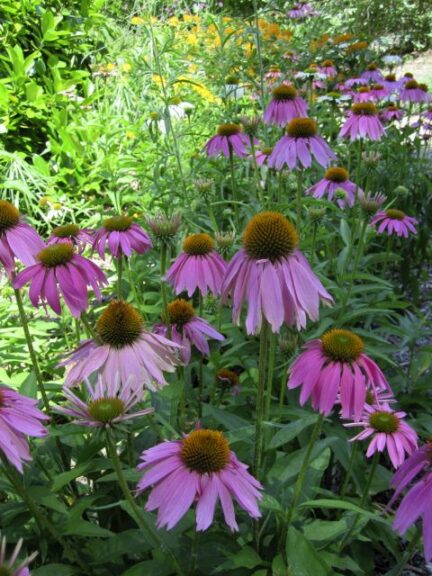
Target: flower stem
{"points": [[270, 370], [260, 396], [43, 522], [31, 350], [119, 277], [233, 186], [163, 266], [409, 551], [349, 470], [134, 509], [299, 198], [201, 362], [302, 474]]}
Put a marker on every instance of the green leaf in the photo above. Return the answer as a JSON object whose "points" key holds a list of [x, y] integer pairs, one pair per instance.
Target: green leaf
{"points": [[55, 570], [292, 430], [341, 505], [303, 559], [149, 567]]}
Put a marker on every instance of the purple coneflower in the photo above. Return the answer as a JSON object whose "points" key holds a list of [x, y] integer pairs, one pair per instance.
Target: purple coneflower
{"points": [[7, 567], [391, 83], [301, 10], [198, 266], [395, 222], [388, 431], [230, 140], [299, 145], [228, 379], [273, 277], [122, 236], [335, 368], [390, 113], [372, 73], [199, 468], [273, 74], [352, 82], [109, 401], [379, 91], [285, 105], [363, 94], [413, 92], [328, 69], [262, 156], [60, 270], [334, 179], [371, 202], [17, 239], [19, 418], [188, 329], [71, 234], [418, 502], [122, 346], [362, 122]]}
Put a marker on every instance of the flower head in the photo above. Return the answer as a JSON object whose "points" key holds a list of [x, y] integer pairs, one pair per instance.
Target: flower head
{"points": [[12, 567], [122, 236], [335, 368], [19, 418], [229, 140], [300, 144], [187, 329], [335, 179], [285, 105], [163, 228], [122, 346], [388, 431], [371, 202], [372, 73], [60, 270], [395, 222], [391, 112], [272, 276], [108, 402], [71, 234], [328, 68], [413, 92], [17, 239], [198, 266], [362, 122], [199, 468]]}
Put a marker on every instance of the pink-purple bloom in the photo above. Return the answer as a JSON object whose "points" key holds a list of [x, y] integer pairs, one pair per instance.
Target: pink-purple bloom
{"points": [[71, 234], [12, 566], [108, 402], [362, 122], [390, 113], [285, 105], [333, 369], [335, 180], [328, 69], [396, 222], [300, 144], [372, 74], [199, 469], [61, 271], [273, 277], [301, 10], [187, 329], [230, 140], [17, 239], [122, 237], [123, 346], [199, 266], [417, 503], [386, 430], [19, 417], [412, 92]]}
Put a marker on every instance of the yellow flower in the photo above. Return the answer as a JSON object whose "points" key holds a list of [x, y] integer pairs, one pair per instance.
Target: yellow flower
{"points": [[173, 21], [109, 67], [126, 67], [157, 79], [130, 135], [137, 20]]}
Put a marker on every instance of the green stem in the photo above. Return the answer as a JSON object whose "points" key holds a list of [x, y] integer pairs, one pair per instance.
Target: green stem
{"points": [[134, 509], [119, 277], [409, 552], [299, 198], [283, 386], [163, 266], [201, 362], [233, 186], [388, 250], [260, 396], [31, 350], [302, 474], [347, 478], [270, 370], [260, 63], [87, 325], [256, 172], [43, 522], [314, 235]]}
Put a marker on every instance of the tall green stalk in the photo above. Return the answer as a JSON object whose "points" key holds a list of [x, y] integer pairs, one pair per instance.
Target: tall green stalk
{"points": [[299, 199], [260, 396], [163, 266], [233, 186]]}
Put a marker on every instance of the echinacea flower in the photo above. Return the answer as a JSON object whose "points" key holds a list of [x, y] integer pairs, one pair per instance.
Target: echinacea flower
{"points": [[372, 73], [61, 271], [199, 468], [379, 91], [70, 234], [230, 140], [108, 402], [122, 237], [328, 68], [334, 179], [164, 228], [122, 346], [371, 202], [273, 277], [391, 83], [273, 74], [362, 122], [390, 113], [411, 92], [227, 378], [198, 266], [388, 431], [353, 82], [17, 239], [301, 10], [12, 566], [285, 105], [363, 94], [300, 144], [261, 156], [396, 222], [417, 503], [187, 329], [19, 418], [335, 368]]}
